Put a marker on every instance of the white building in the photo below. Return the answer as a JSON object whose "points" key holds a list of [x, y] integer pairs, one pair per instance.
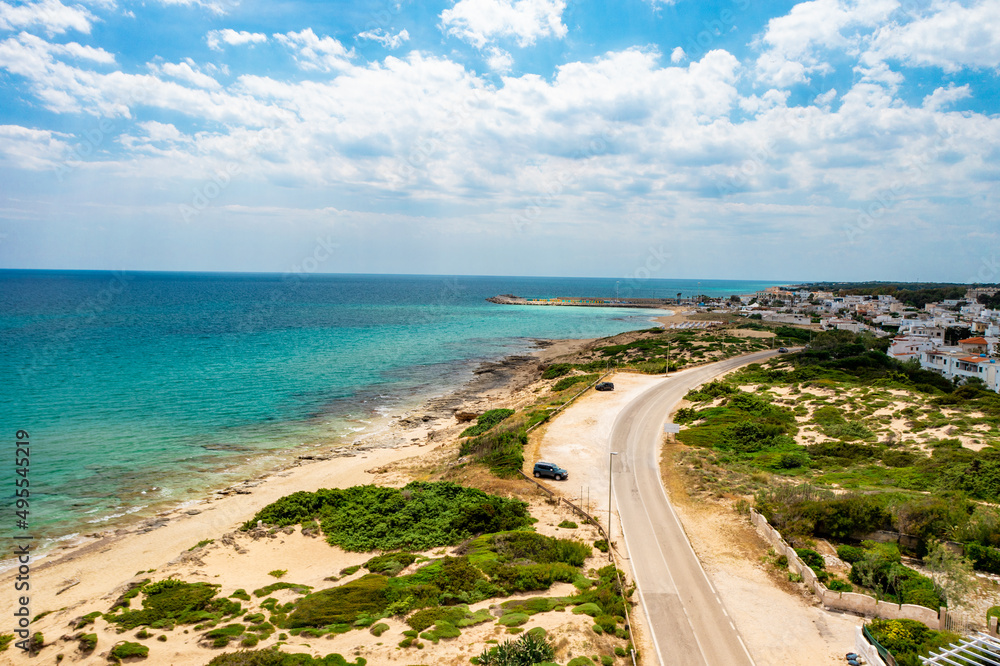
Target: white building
{"points": [[951, 362], [905, 347]]}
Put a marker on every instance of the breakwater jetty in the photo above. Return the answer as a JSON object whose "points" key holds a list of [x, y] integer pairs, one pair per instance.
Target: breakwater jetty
{"points": [[584, 301]]}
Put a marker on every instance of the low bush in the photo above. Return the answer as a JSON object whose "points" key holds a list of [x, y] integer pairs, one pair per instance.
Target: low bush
{"points": [[487, 420], [273, 657], [984, 558], [567, 382], [811, 558], [528, 649], [850, 554], [390, 564], [127, 649], [173, 600], [420, 516], [268, 589], [908, 640]]}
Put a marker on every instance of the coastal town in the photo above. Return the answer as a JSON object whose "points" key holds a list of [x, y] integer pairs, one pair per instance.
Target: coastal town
{"points": [[957, 338]]}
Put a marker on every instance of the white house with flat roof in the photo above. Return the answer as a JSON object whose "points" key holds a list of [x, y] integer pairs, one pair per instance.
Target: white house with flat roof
{"points": [[905, 347]]}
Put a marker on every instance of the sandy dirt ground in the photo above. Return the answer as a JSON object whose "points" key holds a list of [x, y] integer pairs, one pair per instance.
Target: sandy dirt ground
{"points": [[577, 440]]}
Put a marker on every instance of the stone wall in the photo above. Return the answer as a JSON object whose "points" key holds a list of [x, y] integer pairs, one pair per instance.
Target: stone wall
{"points": [[861, 604]]}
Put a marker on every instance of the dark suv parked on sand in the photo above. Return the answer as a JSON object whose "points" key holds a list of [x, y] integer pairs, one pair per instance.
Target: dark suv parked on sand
{"points": [[551, 470], [605, 386]]}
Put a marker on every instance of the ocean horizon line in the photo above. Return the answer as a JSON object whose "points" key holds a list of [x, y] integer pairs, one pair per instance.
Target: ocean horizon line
{"points": [[175, 273]]}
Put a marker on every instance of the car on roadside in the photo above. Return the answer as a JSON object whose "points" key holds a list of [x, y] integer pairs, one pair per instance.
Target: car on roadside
{"points": [[783, 350], [550, 470], [605, 386]]}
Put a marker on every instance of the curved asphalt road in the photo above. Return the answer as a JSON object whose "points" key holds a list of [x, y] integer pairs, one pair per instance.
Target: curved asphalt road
{"points": [[687, 620]]}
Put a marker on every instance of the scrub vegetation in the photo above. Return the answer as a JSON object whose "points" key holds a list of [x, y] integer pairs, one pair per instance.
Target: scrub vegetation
{"points": [[840, 441], [494, 553]]}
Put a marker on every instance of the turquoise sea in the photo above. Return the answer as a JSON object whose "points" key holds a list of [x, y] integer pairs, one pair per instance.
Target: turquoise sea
{"points": [[145, 389]]}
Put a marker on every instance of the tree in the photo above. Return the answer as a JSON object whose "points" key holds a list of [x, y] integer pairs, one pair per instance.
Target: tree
{"points": [[953, 574]]}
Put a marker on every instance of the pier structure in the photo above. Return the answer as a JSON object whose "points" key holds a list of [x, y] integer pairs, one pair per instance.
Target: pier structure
{"points": [[584, 301]]}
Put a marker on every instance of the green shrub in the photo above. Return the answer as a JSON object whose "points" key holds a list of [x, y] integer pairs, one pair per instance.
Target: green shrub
{"points": [[487, 420], [568, 524], [272, 657], [908, 640], [527, 650], [343, 604], [390, 564], [5, 641], [278, 573], [240, 594], [268, 589], [580, 661], [838, 585], [556, 370], [87, 619], [513, 619], [220, 637], [88, 642], [379, 629], [992, 611], [811, 558], [539, 548], [175, 600], [127, 649], [567, 382], [591, 609], [984, 558], [420, 516], [850, 554], [500, 450], [601, 545]]}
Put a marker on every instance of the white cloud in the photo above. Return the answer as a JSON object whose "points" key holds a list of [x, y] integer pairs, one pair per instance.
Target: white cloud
{"points": [[677, 55], [498, 60], [32, 149], [186, 71], [794, 45], [942, 97], [312, 52], [215, 38], [952, 36], [385, 38], [52, 16], [215, 6], [481, 21], [629, 135]]}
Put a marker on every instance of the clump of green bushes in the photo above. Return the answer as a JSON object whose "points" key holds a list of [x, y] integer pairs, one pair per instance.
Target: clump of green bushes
{"points": [[274, 657], [171, 601], [527, 650], [567, 382], [908, 640], [880, 569], [419, 516], [486, 421], [127, 649]]}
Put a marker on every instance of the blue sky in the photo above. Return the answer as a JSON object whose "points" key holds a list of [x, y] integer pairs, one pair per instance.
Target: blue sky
{"points": [[818, 140]]}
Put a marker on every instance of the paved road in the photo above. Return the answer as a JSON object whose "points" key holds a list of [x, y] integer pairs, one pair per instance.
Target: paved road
{"points": [[687, 619]]}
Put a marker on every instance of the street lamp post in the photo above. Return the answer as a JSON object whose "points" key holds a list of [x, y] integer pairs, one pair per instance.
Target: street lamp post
{"points": [[610, 463]]}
